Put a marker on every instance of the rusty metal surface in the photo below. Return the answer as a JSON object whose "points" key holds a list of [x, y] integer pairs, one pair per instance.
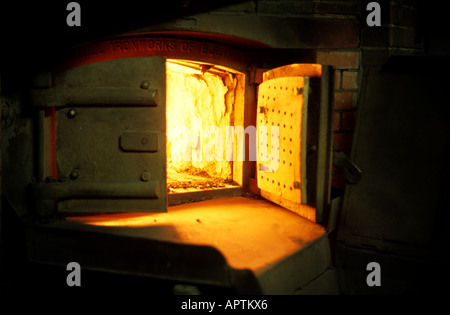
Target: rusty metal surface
{"points": [[314, 140], [109, 128], [346, 167], [139, 141], [294, 70], [322, 109], [74, 189], [276, 252], [98, 96], [189, 48], [128, 255], [281, 104]]}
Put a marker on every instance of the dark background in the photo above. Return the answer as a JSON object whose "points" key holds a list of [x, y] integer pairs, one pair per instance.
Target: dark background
{"points": [[406, 99]]}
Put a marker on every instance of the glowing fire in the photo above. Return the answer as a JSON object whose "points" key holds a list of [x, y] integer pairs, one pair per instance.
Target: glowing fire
{"points": [[199, 109]]}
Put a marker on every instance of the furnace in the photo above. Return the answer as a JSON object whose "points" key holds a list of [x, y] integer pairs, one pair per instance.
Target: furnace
{"points": [[141, 129], [191, 143], [201, 104], [165, 144]]}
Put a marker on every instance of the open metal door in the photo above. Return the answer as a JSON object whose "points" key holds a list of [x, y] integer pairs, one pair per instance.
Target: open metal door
{"points": [[102, 138], [293, 152]]}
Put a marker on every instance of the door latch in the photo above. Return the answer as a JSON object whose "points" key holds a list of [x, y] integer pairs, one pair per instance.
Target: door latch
{"points": [[345, 166]]}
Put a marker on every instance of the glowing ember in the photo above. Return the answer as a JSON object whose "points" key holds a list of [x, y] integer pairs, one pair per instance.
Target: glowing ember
{"points": [[200, 103]]}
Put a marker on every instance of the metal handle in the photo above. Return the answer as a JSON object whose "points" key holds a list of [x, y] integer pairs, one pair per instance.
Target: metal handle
{"points": [[351, 172]]}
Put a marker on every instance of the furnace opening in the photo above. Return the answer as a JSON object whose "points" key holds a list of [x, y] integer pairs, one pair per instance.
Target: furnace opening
{"points": [[200, 111]]}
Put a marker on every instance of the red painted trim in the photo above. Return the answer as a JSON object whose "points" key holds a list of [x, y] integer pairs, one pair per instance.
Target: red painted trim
{"points": [[50, 112], [238, 42], [179, 45]]}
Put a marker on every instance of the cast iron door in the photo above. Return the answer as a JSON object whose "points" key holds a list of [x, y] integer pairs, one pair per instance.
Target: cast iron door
{"points": [[107, 122], [281, 122]]}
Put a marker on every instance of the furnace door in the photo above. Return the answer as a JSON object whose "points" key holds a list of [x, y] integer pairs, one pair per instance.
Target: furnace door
{"points": [[281, 141], [103, 138]]}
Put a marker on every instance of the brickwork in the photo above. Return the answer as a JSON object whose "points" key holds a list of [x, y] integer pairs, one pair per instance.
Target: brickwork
{"points": [[400, 33], [349, 80], [339, 59], [347, 66]]}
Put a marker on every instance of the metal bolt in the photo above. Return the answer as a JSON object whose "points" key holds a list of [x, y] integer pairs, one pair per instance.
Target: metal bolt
{"points": [[75, 173], [145, 84], [145, 176], [144, 141], [296, 185], [71, 113]]}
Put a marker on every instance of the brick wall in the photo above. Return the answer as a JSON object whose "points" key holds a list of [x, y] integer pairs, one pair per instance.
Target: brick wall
{"points": [[347, 65], [345, 99], [400, 33]]}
